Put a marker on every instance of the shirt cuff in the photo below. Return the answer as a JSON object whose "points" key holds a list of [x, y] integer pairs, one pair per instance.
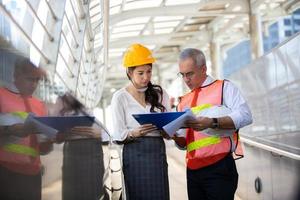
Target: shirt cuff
{"points": [[181, 133]]}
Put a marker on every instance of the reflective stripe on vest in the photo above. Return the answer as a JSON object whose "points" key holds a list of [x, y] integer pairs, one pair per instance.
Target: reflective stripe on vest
{"points": [[203, 143], [19, 148], [22, 115], [198, 109]]}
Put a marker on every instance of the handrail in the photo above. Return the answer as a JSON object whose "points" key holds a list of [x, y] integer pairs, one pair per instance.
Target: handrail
{"points": [[271, 149]]}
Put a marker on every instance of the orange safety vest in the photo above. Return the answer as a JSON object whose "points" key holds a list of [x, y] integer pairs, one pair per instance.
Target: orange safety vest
{"points": [[21, 156], [204, 150]]}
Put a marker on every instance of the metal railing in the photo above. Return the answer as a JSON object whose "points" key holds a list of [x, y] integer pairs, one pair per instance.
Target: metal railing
{"points": [[271, 149]]}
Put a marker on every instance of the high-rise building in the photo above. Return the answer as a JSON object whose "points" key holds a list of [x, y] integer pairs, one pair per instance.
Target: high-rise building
{"points": [[240, 55]]}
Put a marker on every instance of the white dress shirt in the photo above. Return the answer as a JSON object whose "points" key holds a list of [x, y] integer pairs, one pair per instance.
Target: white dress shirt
{"points": [[123, 105], [233, 99]]}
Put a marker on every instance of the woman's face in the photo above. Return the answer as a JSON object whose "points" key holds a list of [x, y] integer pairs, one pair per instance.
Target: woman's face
{"points": [[62, 104], [141, 75], [54, 109]]}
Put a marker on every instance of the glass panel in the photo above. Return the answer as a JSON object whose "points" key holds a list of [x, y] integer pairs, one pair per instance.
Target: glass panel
{"points": [[24, 89], [275, 105]]}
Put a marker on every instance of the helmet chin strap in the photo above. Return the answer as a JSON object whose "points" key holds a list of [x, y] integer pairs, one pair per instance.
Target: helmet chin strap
{"points": [[143, 89]]}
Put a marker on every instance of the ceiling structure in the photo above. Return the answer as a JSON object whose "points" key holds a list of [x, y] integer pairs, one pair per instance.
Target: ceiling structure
{"points": [[168, 26], [81, 42], [66, 37]]}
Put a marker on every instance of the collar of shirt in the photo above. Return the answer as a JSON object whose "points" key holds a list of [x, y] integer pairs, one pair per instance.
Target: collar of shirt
{"points": [[11, 87], [208, 81]]}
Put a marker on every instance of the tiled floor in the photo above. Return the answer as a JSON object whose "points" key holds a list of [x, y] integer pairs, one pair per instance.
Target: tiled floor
{"points": [[177, 179]]}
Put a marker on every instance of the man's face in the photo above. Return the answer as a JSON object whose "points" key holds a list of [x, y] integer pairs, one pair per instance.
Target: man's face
{"points": [[192, 75], [27, 82]]}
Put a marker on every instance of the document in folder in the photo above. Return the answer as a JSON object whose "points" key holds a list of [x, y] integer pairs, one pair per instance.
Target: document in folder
{"points": [[158, 119], [66, 123]]}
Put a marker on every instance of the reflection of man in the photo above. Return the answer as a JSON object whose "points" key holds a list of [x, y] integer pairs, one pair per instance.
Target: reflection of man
{"points": [[20, 166], [211, 170]]}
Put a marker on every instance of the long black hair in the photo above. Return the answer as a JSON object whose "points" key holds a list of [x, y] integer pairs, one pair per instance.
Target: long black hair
{"points": [[70, 103], [153, 94]]}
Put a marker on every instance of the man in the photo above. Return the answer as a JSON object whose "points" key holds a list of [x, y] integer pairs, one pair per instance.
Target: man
{"points": [[20, 166], [211, 170]]}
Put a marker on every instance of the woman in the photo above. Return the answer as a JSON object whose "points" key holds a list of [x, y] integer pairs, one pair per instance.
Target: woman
{"points": [[82, 155], [144, 155]]}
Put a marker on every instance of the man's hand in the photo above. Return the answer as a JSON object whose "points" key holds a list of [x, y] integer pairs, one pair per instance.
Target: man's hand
{"points": [[165, 135], [21, 130], [200, 123], [180, 141]]}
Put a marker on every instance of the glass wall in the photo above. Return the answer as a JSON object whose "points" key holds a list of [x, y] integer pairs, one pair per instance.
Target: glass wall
{"points": [[50, 49], [271, 84]]}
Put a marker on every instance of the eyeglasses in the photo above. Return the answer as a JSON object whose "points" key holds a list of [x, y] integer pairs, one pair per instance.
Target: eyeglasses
{"points": [[186, 75]]}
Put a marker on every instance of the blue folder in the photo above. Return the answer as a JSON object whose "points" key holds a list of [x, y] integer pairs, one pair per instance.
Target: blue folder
{"points": [[66, 123], [157, 119]]}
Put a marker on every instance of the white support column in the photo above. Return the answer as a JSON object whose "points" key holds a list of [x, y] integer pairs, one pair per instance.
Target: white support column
{"points": [[215, 59], [103, 66], [255, 33]]}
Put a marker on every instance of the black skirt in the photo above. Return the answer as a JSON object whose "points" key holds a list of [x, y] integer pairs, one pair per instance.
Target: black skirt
{"points": [[82, 170], [145, 169]]}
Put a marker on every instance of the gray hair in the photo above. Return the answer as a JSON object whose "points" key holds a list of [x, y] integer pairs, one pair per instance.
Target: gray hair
{"points": [[196, 55], [22, 64]]}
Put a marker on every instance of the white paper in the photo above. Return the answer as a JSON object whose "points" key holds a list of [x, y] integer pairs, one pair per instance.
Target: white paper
{"points": [[9, 119], [178, 123], [41, 128], [216, 112]]}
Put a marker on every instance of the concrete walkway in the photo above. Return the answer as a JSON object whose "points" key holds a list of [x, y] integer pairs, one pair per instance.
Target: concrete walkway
{"points": [[177, 177]]}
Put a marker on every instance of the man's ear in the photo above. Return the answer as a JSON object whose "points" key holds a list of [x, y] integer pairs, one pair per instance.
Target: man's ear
{"points": [[203, 69]]}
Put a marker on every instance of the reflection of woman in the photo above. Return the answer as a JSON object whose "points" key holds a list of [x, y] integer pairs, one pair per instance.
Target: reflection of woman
{"points": [[82, 155], [144, 154]]}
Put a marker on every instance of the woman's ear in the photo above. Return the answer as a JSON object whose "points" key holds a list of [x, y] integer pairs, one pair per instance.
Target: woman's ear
{"points": [[129, 74]]}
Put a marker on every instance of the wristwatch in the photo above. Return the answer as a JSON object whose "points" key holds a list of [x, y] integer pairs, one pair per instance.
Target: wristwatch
{"points": [[215, 123]]}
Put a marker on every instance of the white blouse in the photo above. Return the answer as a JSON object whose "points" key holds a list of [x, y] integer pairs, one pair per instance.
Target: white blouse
{"points": [[123, 105]]}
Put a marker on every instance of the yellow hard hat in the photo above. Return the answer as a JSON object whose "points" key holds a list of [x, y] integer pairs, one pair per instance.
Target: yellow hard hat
{"points": [[137, 55]]}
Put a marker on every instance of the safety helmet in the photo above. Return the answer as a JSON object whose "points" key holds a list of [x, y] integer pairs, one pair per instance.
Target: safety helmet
{"points": [[137, 55]]}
